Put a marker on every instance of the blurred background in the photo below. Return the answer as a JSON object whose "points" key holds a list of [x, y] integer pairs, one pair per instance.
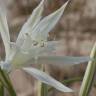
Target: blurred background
{"points": [[76, 30]]}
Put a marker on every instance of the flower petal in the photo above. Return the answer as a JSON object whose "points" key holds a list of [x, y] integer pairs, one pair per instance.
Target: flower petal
{"points": [[23, 57], [47, 79], [4, 31], [63, 60], [23, 60], [60, 60], [31, 22], [27, 54], [41, 31]]}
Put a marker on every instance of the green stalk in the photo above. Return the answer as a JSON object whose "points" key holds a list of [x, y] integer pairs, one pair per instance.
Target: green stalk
{"points": [[72, 80], [5, 80], [42, 88], [89, 74], [39, 84], [1, 89]]}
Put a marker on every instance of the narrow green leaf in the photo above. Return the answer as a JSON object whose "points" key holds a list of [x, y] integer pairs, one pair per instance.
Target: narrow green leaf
{"points": [[89, 74]]}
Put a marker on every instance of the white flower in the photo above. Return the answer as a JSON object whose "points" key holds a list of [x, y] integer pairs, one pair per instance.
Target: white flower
{"points": [[31, 45]]}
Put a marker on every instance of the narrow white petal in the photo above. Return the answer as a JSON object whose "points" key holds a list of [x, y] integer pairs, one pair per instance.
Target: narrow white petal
{"points": [[4, 31], [59, 60], [31, 22], [22, 58], [63, 60], [27, 43], [41, 31], [47, 79], [28, 54]]}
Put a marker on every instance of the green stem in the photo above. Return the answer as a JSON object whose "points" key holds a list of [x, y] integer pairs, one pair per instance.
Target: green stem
{"points": [[44, 87], [94, 83], [39, 84], [6, 82], [44, 90], [89, 75], [69, 81], [39, 88], [72, 80], [1, 89]]}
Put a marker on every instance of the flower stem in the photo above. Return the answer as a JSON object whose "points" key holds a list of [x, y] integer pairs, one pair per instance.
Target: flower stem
{"points": [[39, 84], [89, 74], [42, 88], [6, 82], [69, 81], [39, 88], [1, 89]]}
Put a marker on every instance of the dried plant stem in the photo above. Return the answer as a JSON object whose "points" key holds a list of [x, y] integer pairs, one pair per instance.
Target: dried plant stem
{"points": [[89, 74]]}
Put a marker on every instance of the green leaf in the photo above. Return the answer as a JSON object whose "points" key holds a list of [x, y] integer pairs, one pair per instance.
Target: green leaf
{"points": [[89, 74]]}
